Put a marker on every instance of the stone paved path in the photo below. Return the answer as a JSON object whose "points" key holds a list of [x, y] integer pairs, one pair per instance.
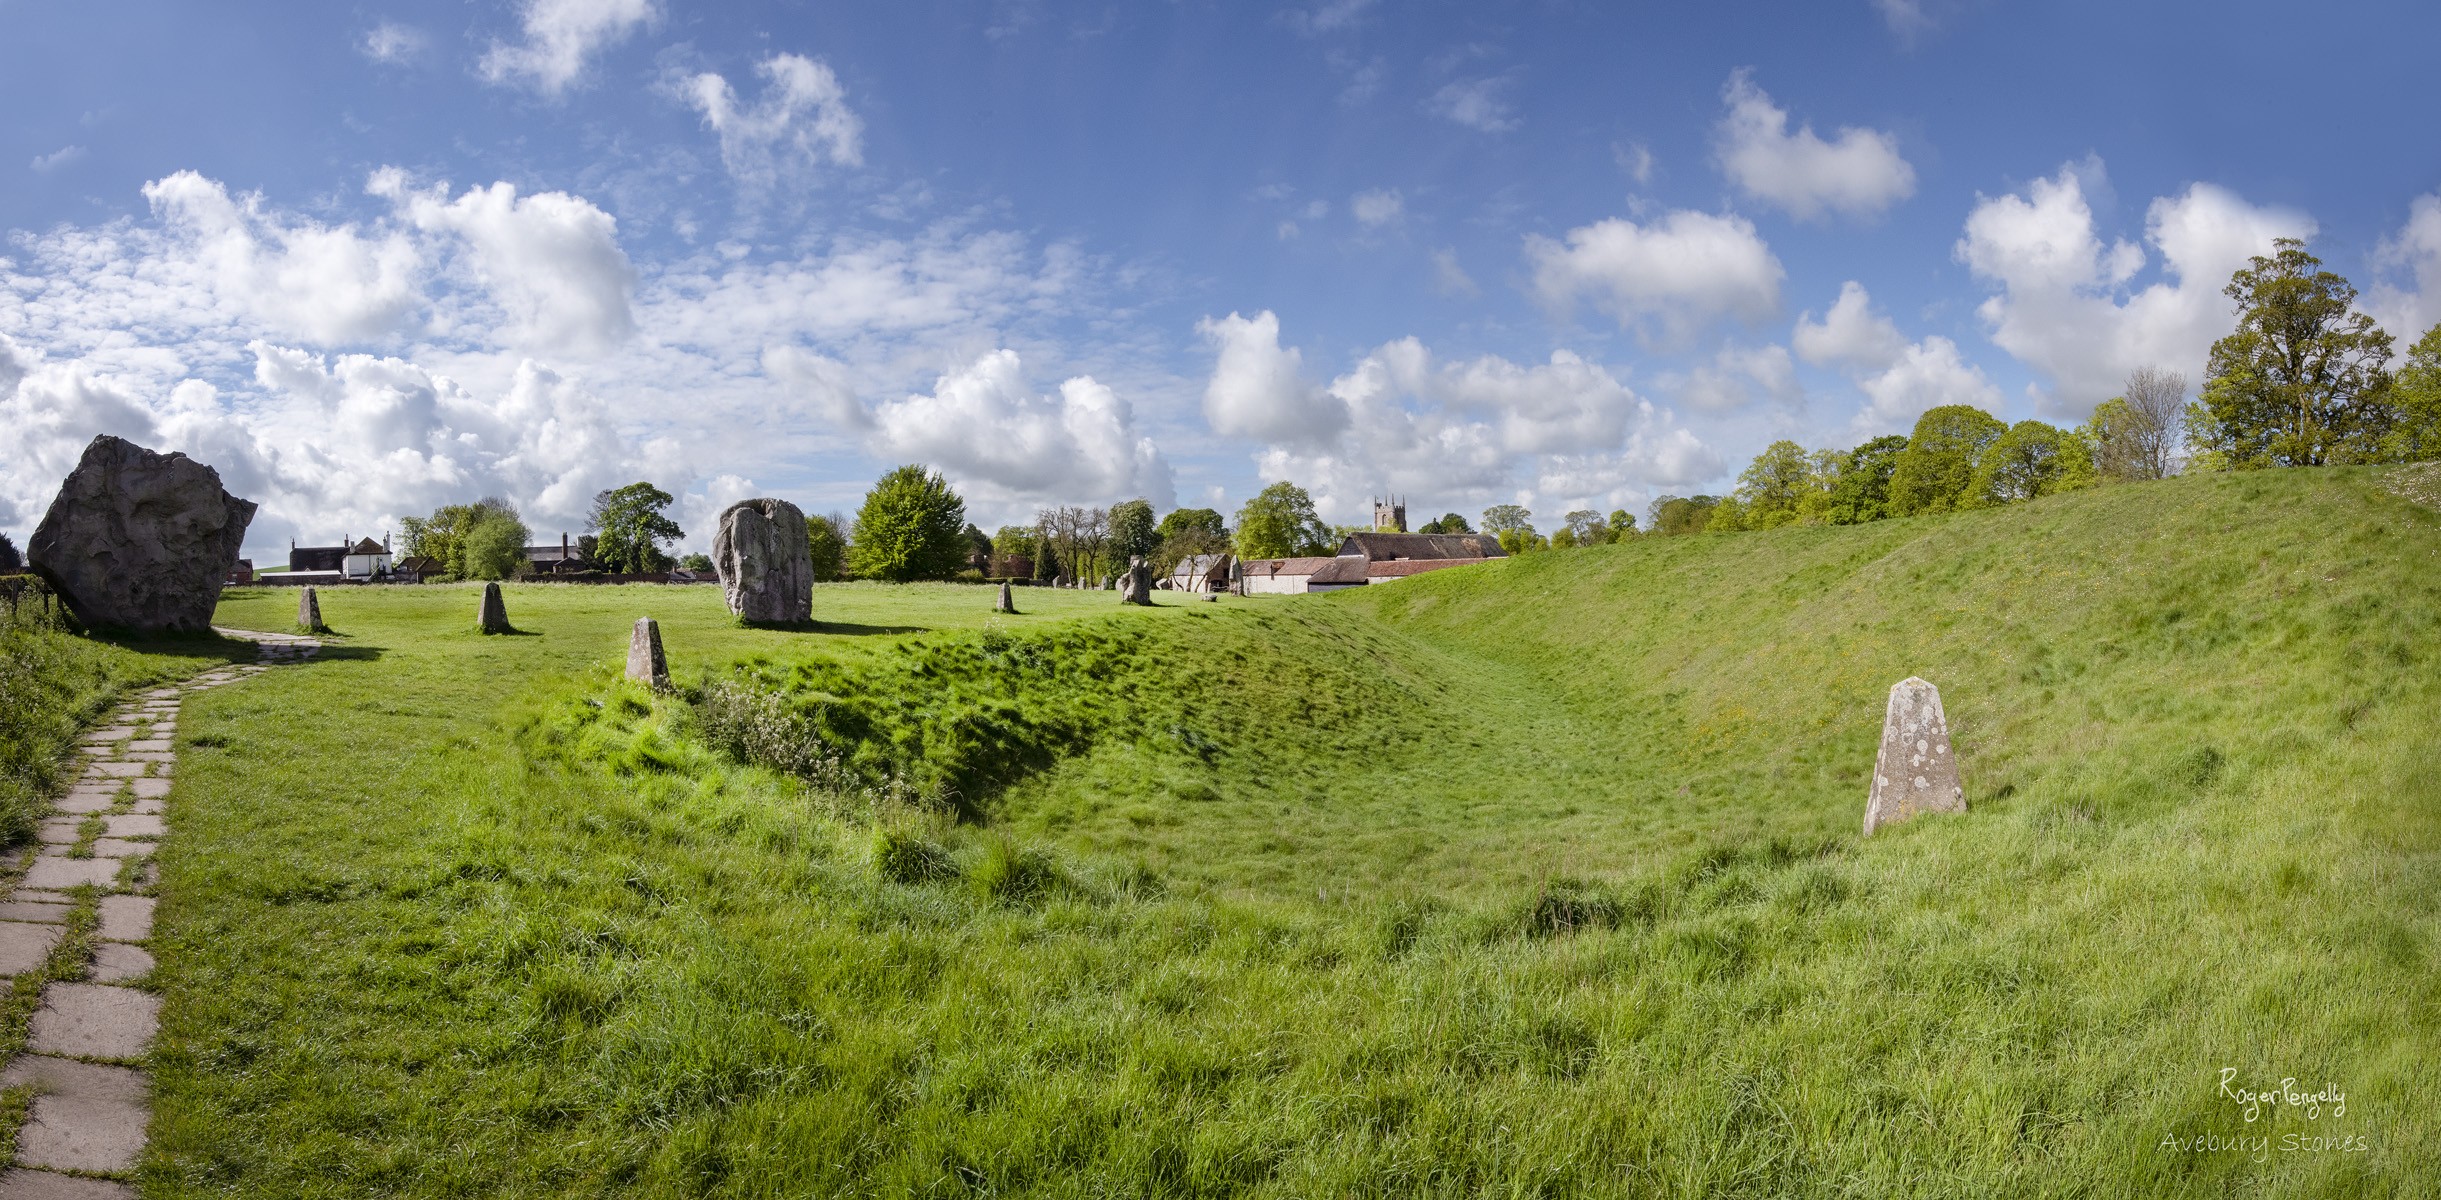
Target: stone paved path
{"points": [[85, 1046]]}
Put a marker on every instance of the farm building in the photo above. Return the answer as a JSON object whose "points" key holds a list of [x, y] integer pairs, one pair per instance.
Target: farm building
{"points": [[1368, 558], [1199, 573]]}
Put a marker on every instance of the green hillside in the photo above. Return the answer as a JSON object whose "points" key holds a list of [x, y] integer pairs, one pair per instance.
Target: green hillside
{"points": [[1537, 878]]}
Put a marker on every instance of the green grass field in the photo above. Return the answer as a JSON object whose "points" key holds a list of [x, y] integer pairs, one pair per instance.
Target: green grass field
{"points": [[1538, 878]]}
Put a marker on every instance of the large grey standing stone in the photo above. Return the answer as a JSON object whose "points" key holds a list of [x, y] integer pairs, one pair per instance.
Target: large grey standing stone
{"points": [[1916, 772], [309, 610], [138, 540], [1007, 603], [1136, 586], [495, 616], [766, 566], [645, 664]]}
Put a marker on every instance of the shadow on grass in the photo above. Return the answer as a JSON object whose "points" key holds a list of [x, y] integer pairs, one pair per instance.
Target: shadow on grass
{"points": [[836, 628]]}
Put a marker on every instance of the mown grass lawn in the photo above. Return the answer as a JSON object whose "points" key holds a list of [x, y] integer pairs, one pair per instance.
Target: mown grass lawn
{"points": [[1540, 878]]}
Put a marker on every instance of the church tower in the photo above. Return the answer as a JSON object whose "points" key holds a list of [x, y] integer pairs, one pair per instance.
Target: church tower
{"points": [[1390, 515]]}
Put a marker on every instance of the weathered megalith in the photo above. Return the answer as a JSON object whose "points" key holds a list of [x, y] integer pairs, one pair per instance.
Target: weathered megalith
{"points": [[645, 664], [1007, 603], [1136, 587], [766, 565], [494, 617], [309, 610], [1916, 772], [138, 540]]}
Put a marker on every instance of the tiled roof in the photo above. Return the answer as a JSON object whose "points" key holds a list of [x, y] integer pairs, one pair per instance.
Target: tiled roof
{"points": [[1381, 547]]}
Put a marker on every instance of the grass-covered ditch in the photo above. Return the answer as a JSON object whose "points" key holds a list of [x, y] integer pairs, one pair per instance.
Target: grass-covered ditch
{"points": [[1540, 878]]}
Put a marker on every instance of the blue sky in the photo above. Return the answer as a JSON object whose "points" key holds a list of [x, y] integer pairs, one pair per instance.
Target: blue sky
{"points": [[370, 259]]}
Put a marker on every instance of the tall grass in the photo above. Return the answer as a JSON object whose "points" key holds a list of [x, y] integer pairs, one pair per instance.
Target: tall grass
{"points": [[53, 681]]}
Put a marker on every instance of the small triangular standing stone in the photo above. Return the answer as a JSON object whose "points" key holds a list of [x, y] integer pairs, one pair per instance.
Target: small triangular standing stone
{"points": [[1916, 772], [1007, 603], [645, 664], [495, 616], [309, 611]]}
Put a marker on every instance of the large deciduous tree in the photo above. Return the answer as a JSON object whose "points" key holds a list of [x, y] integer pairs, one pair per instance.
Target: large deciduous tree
{"points": [[1447, 523], [1786, 484], [2302, 380], [2415, 429], [912, 526], [826, 540], [632, 525], [1280, 522], [444, 537], [1133, 531], [2030, 461], [1862, 491], [1933, 473]]}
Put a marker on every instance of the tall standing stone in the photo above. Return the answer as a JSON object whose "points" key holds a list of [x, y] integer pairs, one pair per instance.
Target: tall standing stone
{"points": [[1007, 603], [1136, 586], [645, 664], [1916, 772], [766, 565], [495, 616], [309, 610], [138, 540]]}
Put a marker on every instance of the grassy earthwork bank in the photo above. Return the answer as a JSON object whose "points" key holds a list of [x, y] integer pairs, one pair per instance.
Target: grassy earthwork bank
{"points": [[55, 681], [1537, 878]]}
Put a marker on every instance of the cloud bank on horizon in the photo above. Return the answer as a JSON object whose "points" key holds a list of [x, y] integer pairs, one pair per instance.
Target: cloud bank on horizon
{"points": [[590, 241]]}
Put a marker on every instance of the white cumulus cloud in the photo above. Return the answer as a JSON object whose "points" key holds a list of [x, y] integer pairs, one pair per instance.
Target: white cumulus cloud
{"points": [[551, 261], [800, 121], [1901, 380], [1738, 376], [393, 43], [1258, 389], [560, 38], [2065, 306], [1678, 273], [327, 284], [2416, 250], [987, 430], [1858, 173]]}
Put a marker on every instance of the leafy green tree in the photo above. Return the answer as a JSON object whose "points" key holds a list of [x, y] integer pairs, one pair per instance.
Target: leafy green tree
{"points": [[1281, 523], [2031, 460], [2302, 380], [912, 526], [442, 536], [1783, 485], [1522, 540], [828, 544], [1585, 528], [494, 546], [1861, 493], [631, 525], [1192, 520], [1934, 471], [1447, 523], [698, 563], [10, 560], [1728, 516], [1622, 525], [1132, 530], [1506, 518], [2415, 430], [1676, 515]]}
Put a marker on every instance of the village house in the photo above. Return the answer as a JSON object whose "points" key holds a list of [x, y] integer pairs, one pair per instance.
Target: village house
{"points": [[362, 562], [566, 558], [1199, 573]]}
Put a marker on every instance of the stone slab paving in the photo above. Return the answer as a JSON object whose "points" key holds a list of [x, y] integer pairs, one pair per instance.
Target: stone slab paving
{"points": [[90, 1109]]}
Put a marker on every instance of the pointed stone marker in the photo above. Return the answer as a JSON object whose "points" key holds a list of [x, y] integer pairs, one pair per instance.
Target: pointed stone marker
{"points": [[645, 664], [1916, 772], [309, 610], [1007, 603], [495, 616]]}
